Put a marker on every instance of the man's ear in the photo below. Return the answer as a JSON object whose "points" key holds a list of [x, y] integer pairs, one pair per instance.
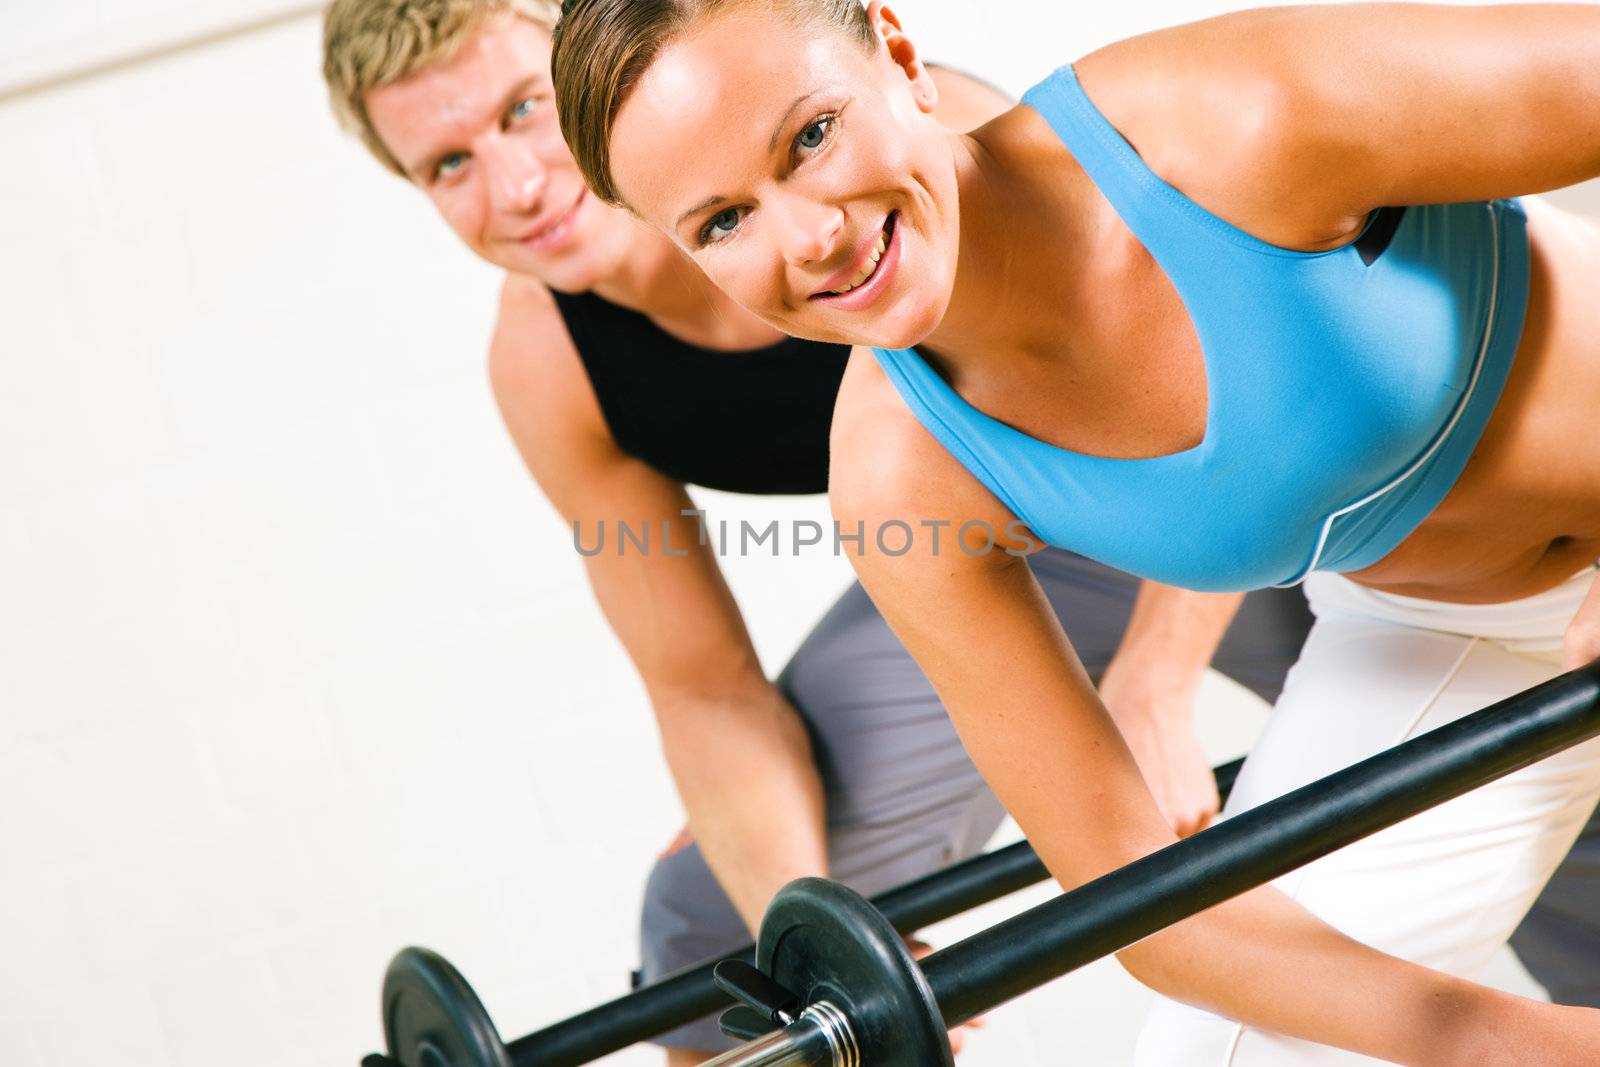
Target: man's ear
{"points": [[900, 49]]}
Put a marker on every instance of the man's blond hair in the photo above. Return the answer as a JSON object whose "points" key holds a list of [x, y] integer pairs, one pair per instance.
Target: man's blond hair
{"points": [[367, 44]]}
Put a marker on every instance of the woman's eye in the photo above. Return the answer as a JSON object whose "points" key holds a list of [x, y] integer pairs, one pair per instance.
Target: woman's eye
{"points": [[522, 109], [449, 165], [812, 137], [720, 226]]}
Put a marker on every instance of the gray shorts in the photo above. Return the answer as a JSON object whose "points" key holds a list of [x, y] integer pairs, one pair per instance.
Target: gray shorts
{"points": [[904, 800]]}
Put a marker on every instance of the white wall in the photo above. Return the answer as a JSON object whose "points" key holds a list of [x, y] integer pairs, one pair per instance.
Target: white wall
{"points": [[46, 44], [295, 666]]}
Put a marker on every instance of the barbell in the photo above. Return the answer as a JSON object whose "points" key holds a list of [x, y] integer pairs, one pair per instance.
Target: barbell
{"points": [[432, 1017], [853, 997]]}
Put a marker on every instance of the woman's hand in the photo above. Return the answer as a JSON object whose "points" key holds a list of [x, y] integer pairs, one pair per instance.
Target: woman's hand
{"points": [[1155, 713], [1582, 644], [1511, 1027], [958, 1035]]}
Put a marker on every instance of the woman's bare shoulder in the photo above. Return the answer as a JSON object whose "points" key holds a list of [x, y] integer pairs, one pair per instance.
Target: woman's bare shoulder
{"points": [[876, 443], [1214, 109], [884, 464]]}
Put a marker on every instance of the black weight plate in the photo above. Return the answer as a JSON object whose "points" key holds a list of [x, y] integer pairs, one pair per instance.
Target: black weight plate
{"points": [[825, 942], [432, 1018]]}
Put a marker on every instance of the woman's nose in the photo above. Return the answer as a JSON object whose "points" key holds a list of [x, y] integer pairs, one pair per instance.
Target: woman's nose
{"points": [[809, 231]]}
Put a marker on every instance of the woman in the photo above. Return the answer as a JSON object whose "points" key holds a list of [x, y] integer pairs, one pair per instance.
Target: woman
{"points": [[623, 374], [1163, 316]]}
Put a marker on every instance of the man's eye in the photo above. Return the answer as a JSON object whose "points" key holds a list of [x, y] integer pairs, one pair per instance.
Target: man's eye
{"points": [[522, 109], [720, 226]]}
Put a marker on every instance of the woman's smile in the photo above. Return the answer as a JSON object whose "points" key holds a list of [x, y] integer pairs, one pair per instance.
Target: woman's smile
{"points": [[790, 181], [860, 285]]}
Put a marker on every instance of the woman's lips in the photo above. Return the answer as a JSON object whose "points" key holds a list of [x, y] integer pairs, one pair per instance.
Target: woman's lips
{"points": [[877, 280]]}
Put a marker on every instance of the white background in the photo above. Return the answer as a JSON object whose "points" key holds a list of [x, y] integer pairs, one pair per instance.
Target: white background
{"points": [[295, 665]]}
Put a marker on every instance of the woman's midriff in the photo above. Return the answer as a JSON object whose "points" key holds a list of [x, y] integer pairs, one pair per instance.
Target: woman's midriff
{"points": [[1525, 514]]}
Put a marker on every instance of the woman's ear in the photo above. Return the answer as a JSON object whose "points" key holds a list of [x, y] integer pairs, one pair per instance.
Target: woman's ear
{"points": [[886, 24]]}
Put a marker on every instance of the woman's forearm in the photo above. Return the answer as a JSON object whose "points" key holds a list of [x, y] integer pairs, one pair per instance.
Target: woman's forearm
{"points": [[1264, 961], [743, 765], [1056, 760]]}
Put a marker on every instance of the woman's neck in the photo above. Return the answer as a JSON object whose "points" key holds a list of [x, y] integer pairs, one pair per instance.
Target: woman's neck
{"points": [[1025, 225]]}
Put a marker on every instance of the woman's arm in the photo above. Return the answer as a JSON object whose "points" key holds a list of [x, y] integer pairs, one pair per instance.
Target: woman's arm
{"points": [[1295, 122], [738, 750], [986, 637]]}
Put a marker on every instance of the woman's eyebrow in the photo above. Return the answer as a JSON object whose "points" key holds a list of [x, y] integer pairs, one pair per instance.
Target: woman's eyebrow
{"points": [[709, 201], [778, 130], [772, 146]]}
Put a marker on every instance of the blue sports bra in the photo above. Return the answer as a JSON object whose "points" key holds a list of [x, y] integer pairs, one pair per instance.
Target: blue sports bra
{"points": [[1345, 390]]}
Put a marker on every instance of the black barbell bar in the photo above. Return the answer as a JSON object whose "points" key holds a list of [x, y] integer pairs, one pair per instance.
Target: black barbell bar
{"points": [[420, 982], [862, 1007]]}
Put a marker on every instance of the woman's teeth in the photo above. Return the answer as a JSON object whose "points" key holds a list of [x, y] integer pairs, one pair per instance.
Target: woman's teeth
{"points": [[866, 268]]}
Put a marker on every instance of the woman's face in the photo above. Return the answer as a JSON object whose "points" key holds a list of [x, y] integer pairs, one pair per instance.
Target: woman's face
{"points": [[803, 173], [478, 134]]}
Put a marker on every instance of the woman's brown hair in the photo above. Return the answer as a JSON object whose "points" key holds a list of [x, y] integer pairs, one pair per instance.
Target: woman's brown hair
{"points": [[603, 48]]}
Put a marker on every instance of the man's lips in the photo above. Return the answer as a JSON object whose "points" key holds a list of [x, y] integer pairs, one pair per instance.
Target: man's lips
{"points": [[551, 229], [863, 256]]}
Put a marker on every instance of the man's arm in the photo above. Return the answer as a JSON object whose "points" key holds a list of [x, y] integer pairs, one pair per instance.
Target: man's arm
{"points": [[1150, 687], [738, 751]]}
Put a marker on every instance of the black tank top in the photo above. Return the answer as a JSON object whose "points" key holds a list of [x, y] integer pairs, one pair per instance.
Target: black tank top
{"points": [[748, 422]]}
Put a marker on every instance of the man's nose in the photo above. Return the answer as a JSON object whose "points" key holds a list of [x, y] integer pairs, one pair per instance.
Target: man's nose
{"points": [[516, 177]]}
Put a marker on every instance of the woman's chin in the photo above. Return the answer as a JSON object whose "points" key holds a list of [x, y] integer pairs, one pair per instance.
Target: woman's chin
{"points": [[903, 327], [899, 339], [895, 327]]}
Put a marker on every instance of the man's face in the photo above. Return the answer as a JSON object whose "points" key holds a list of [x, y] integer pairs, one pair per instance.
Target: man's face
{"points": [[478, 134]]}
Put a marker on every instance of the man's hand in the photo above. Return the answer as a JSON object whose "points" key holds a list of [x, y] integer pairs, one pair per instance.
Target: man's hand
{"points": [[1155, 712], [1582, 644], [1150, 685]]}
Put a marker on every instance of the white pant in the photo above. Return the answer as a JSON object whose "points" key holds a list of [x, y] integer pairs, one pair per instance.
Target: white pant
{"points": [[1447, 887]]}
